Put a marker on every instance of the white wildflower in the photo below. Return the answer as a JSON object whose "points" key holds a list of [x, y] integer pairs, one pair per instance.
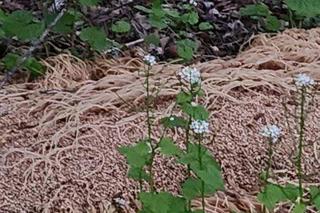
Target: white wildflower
{"points": [[150, 60], [303, 80], [273, 132], [194, 104], [200, 126], [191, 75], [171, 118]]}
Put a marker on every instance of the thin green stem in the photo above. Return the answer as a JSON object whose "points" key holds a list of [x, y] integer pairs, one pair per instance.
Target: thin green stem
{"points": [[202, 182], [187, 148], [270, 153], [188, 134], [187, 139], [148, 104], [149, 128], [301, 138], [140, 181]]}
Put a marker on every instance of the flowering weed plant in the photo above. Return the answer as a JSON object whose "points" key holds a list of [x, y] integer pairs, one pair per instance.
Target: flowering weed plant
{"points": [[204, 175], [299, 196]]}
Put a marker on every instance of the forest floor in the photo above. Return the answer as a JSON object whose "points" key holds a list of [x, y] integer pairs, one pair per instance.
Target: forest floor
{"points": [[60, 134]]}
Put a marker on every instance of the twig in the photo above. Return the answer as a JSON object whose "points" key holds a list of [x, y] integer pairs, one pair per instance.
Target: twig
{"points": [[132, 43], [31, 49]]}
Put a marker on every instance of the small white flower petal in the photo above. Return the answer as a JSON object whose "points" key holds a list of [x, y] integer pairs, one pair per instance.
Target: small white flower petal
{"points": [[303, 80], [199, 126], [190, 75], [149, 59], [272, 132]]}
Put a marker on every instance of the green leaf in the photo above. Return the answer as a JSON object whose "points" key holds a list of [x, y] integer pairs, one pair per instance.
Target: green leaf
{"points": [[291, 192], [121, 27], [30, 32], [191, 188], [152, 39], [315, 196], [157, 9], [191, 18], [21, 16], [205, 26], [210, 175], [143, 9], [157, 22], [272, 23], [137, 155], [162, 202], [307, 8], [89, 2], [255, 10], [186, 48], [20, 23], [197, 112], [172, 13], [271, 195], [65, 24], [187, 7], [174, 121], [138, 173], [10, 60], [3, 16], [192, 157], [95, 37], [167, 147], [299, 208], [2, 34], [34, 67], [183, 98], [207, 169], [199, 92]]}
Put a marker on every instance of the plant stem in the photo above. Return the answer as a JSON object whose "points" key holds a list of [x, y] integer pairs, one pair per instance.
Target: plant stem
{"points": [[202, 182], [301, 138], [140, 181], [187, 140], [187, 148], [270, 152], [149, 128]]}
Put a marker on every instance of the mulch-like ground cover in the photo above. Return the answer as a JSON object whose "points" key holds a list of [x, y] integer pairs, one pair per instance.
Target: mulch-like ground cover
{"points": [[60, 134]]}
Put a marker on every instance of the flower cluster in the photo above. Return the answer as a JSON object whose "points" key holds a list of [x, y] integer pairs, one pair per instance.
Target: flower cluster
{"points": [[273, 132], [200, 126], [191, 75], [303, 80], [150, 60]]}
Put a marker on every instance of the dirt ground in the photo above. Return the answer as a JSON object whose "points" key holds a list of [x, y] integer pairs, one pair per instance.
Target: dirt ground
{"points": [[59, 135]]}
